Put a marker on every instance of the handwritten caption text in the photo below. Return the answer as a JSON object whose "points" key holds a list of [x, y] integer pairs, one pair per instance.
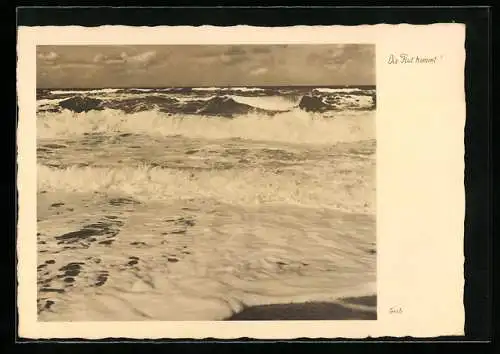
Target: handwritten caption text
{"points": [[412, 59]]}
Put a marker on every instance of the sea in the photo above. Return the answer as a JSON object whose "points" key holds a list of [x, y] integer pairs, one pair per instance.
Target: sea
{"points": [[196, 203]]}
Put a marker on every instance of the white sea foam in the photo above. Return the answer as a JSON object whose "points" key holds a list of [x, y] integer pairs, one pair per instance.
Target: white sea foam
{"points": [[143, 89], [247, 89], [288, 217], [272, 103], [349, 192], [83, 91], [341, 89], [44, 102], [184, 98], [206, 89], [241, 89], [238, 256], [351, 101], [296, 126]]}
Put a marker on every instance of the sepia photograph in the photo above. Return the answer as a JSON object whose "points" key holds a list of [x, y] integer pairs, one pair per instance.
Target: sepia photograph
{"points": [[206, 182], [219, 183]]}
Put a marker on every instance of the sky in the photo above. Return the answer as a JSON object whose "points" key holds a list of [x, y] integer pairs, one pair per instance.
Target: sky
{"points": [[205, 65]]}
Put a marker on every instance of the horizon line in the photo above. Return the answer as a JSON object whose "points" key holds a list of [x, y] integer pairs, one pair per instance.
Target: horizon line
{"points": [[203, 86]]}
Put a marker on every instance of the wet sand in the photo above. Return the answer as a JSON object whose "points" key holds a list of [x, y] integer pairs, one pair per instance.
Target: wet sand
{"points": [[305, 311]]}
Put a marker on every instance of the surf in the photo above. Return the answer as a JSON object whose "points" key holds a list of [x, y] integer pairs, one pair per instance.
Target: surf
{"points": [[254, 186], [296, 126]]}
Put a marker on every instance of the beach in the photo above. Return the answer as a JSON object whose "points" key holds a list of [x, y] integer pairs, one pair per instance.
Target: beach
{"points": [[208, 204]]}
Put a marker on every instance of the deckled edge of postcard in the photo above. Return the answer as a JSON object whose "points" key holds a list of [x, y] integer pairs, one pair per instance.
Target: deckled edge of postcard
{"points": [[420, 180]]}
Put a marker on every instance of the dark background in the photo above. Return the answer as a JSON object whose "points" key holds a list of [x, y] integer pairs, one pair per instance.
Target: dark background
{"points": [[478, 156]]}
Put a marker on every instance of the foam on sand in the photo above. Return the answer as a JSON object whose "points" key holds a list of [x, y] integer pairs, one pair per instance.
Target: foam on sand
{"points": [[195, 259]]}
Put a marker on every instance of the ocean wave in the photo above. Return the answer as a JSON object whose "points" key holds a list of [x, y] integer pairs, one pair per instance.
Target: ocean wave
{"points": [[223, 106], [247, 89], [206, 88], [45, 102], [295, 126], [83, 91], [239, 187], [342, 90], [143, 89], [244, 89], [214, 105], [271, 103], [185, 98], [227, 106]]}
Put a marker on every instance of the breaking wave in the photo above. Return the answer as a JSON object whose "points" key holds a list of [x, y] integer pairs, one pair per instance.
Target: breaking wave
{"points": [[82, 91], [295, 126], [271, 103], [235, 186], [222, 102], [343, 90]]}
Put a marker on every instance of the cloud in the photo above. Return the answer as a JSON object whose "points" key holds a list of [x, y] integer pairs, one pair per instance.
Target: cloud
{"points": [[98, 58], [261, 50], [225, 58], [72, 66], [103, 59], [50, 56], [95, 66], [114, 61], [143, 58], [259, 71], [235, 50], [206, 60]]}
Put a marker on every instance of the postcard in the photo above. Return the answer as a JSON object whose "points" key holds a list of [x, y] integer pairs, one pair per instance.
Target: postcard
{"points": [[229, 182]]}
